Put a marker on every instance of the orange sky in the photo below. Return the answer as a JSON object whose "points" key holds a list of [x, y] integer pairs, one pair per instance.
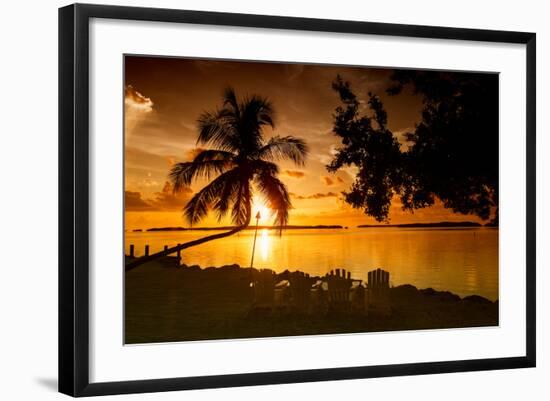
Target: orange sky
{"points": [[164, 97]]}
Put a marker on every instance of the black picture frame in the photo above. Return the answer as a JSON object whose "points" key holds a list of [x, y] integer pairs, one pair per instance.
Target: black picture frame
{"points": [[74, 198]]}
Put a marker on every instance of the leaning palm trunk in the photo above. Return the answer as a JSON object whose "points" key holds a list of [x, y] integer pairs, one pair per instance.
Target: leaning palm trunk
{"points": [[144, 259]]}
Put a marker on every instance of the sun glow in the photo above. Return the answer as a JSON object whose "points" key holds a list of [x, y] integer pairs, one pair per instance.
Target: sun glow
{"points": [[265, 212]]}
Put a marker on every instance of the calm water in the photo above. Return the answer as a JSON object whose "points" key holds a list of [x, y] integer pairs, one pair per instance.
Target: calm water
{"points": [[463, 261]]}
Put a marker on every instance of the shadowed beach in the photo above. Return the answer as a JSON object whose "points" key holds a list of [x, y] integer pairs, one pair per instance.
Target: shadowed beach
{"points": [[164, 303]]}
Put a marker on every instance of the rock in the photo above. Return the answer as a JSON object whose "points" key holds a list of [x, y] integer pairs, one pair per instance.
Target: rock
{"points": [[428, 292], [405, 290], [441, 296], [230, 267], [476, 299], [446, 296]]}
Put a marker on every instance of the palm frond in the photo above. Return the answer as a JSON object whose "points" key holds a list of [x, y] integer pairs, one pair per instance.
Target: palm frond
{"points": [[228, 195], [214, 154], [277, 196], [183, 174], [242, 205], [287, 147], [230, 99], [218, 130], [258, 166], [197, 208], [256, 112]]}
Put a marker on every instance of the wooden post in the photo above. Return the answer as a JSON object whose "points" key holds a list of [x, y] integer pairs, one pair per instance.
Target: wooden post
{"points": [[178, 255], [349, 275], [258, 217], [337, 272], [146, 250], [165, 247], [132, 250]]}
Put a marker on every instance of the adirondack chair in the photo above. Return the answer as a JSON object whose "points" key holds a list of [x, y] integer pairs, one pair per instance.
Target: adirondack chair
{"points": [[263, 290], [299, 291], [318, 297], [357, 296], [339, 286], [378, 293], [281, 296]]}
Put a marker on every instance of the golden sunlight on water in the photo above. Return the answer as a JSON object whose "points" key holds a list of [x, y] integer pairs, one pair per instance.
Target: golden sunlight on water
{"points": [[265, 242], [463, 261]]}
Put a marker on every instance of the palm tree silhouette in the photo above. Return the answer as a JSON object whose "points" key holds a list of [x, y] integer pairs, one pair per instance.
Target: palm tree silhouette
{"points": [[242, 161]]}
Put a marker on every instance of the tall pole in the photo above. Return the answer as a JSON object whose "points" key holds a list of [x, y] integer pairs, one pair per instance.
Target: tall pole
{"points": [[258, 217]]}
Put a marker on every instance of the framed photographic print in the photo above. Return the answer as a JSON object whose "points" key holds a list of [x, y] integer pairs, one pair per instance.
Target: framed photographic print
{"points": [[312, 199]]}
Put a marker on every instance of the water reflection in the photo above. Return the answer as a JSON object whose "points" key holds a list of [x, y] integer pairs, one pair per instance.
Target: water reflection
{"points": [[464, 261], [264, 244]]}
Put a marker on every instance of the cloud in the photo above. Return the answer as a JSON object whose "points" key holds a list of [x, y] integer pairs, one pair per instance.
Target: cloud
{"points": [[293, 173], [329, 181], [163, 200], [170, 160], [136, 100], [317, 195], [294, 71], [136, 108], [167, 200], [145, 161], [351, 171], [133, 202]]}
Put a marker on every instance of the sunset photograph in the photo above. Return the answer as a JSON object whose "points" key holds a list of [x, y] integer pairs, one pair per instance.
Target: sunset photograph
{"points": [[267, 199]]}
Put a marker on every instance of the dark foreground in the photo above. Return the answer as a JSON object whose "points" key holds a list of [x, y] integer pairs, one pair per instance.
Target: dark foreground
{"points": [[164, 304]]}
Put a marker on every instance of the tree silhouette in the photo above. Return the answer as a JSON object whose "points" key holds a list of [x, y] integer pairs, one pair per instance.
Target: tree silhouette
{"points": [[239, 160], [453, 152], [369, 146]]}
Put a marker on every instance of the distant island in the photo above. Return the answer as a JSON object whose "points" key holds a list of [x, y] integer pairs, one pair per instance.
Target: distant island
{"points": [[321, 227], [421, 225]]}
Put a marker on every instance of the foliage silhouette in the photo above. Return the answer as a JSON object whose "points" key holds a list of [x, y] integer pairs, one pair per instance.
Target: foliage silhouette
{"points": [[368, 145], [452, 153]]}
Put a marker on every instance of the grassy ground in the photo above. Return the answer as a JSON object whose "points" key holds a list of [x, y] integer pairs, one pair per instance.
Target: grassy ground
{"points": [[164, 304]]}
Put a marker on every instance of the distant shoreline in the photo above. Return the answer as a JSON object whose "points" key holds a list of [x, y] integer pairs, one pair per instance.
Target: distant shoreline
{"points": [[422, 225], [441, 224], [318, 227]]}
